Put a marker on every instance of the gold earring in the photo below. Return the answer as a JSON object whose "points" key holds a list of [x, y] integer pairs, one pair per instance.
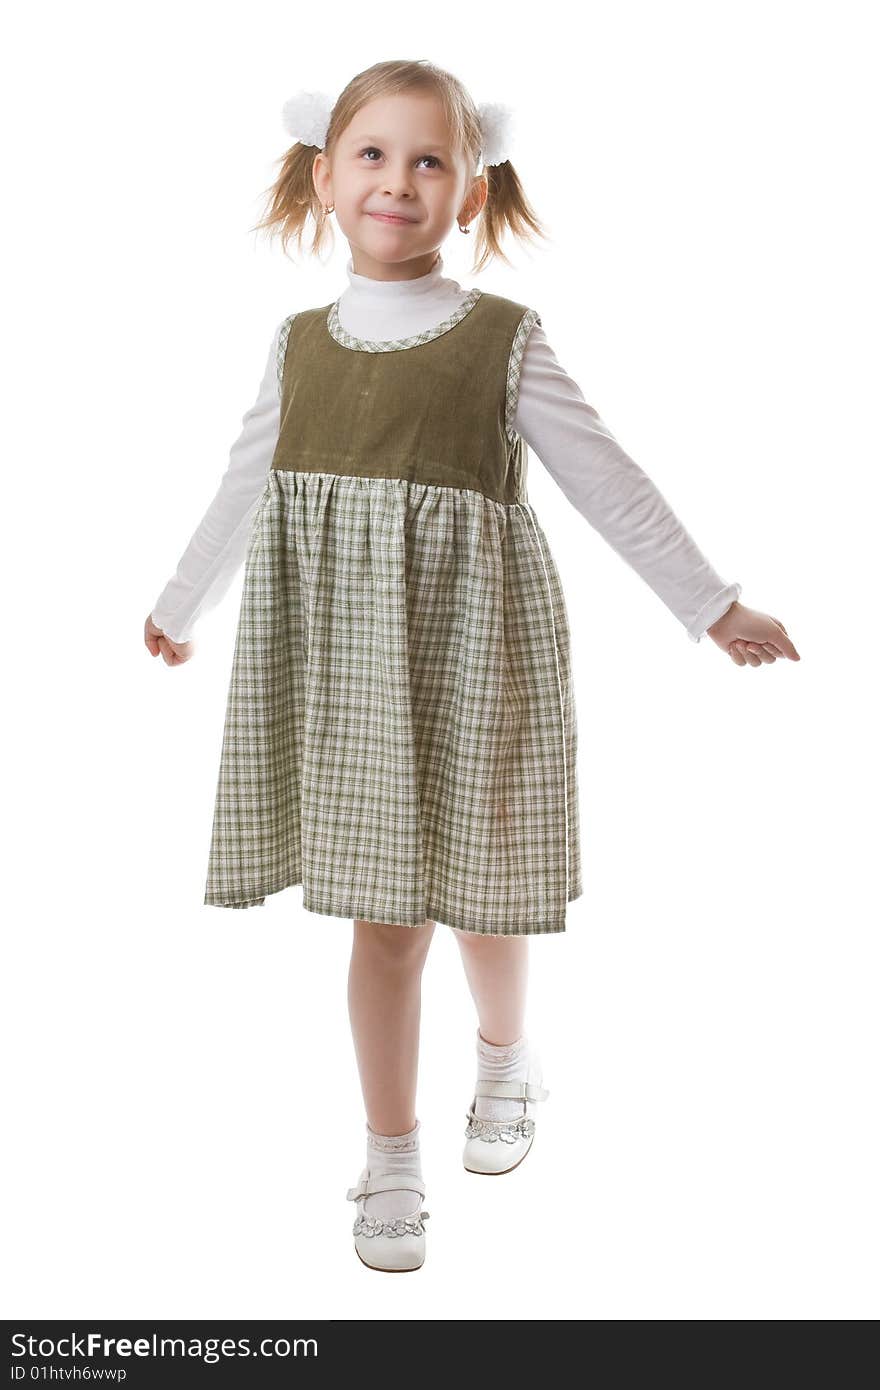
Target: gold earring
{"points": [[329, 210]]}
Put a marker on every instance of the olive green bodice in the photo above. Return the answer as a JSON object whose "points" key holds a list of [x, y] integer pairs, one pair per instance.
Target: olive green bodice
{"points": [[436, 408]]}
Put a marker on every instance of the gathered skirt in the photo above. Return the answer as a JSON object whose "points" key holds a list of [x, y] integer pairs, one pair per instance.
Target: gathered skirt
{"points": [[400, 734]]}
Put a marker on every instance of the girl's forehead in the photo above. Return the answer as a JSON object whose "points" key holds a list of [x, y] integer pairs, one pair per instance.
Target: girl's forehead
{"points": [[416, 115]]}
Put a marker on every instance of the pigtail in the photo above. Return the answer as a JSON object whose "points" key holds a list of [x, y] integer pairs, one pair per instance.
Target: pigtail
{"points": [[506, 209], [293, 198]]}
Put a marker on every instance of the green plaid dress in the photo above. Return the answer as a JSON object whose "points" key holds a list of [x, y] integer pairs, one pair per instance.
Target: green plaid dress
{"points": [[400, 734]]}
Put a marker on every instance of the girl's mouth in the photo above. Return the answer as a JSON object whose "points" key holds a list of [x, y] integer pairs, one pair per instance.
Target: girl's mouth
{"points": [[391, 217]]}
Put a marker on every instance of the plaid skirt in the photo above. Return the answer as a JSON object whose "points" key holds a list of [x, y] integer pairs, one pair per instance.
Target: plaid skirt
{"points": [[400, 733]]}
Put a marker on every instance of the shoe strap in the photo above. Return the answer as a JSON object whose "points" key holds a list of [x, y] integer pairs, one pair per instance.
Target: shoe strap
{"points": [[494, 1124], [385, 1182], [514, 1090]]}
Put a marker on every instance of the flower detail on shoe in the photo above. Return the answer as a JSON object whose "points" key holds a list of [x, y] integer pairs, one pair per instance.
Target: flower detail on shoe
{"points": [[395, 1226], [508, 1131]]}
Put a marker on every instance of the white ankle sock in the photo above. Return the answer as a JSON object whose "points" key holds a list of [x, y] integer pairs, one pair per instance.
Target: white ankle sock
{"points": [[394, 1153], [501, 1062]]}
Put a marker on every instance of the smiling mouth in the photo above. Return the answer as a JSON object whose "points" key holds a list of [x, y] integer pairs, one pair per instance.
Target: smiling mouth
{"points": [[391, 217]]}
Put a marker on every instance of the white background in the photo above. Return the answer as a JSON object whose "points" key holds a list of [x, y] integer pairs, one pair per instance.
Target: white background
{"points": [[182, 1091]]}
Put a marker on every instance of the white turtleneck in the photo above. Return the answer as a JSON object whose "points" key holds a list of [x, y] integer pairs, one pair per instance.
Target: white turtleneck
{"points": [[568, 436]]}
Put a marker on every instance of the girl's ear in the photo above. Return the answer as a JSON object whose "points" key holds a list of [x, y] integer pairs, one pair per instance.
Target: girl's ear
{"points": [[321, 176], [475, 199]]}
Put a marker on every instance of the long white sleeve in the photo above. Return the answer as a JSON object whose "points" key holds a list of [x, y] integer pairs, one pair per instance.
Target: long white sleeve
{"points": [[219, 545], [617, 498]]}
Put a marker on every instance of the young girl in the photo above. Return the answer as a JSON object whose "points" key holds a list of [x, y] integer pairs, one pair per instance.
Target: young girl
{"points": [[400, 733]]}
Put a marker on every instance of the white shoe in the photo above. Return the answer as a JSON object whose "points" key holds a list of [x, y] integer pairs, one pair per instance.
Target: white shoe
{"points": [[395, 1243], [498, 1146]]}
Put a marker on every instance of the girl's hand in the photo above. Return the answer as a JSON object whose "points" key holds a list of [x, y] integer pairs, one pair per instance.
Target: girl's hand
{"points": [[175, 653], [751, 638]]}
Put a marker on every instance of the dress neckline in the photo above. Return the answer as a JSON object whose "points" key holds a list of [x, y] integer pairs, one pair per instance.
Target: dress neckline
{"points": [[349, 340]]}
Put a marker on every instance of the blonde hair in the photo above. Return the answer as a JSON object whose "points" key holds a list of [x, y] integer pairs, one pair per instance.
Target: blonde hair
{"points": [[292, 199]]}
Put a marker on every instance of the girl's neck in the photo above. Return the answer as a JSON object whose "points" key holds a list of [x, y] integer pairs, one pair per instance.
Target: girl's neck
{"points": [[384, 310], [361, 286]]}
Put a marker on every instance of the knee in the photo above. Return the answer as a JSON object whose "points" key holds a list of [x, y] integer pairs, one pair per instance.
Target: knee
{"points": [[393, 947]]}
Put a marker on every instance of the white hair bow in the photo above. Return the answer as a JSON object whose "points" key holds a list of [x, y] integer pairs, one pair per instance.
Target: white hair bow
{"points": [[496, 123], [306, 117]]}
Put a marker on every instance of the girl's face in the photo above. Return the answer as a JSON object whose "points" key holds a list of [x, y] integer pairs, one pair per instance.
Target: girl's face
{"points": [[397, 186]]}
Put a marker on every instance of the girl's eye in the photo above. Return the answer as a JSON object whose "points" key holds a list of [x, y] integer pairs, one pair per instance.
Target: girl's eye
{"points": [[371, 149]]}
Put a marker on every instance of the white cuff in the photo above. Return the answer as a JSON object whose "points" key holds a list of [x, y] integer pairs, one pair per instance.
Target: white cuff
{"points": [[712, 611], [182, 635]]}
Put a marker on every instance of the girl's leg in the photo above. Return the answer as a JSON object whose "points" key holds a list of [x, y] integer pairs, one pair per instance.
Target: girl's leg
{"points": [[385, 1003], [497, 969]]}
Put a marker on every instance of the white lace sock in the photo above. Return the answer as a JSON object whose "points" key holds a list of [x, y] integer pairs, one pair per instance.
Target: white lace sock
{"points": [[393, 1153], [501, 1062]]}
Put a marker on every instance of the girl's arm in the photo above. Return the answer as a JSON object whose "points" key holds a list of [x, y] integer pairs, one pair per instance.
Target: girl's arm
{"points": [[617, 498], [219, 543]]}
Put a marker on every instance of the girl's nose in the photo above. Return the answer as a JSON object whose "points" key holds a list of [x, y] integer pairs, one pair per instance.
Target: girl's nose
{"points": [[399, 184]]}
